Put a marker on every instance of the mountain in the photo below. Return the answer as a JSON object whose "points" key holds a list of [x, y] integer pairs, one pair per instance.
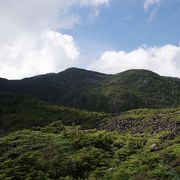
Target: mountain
{"points": [[100, 92], [42, 138]]}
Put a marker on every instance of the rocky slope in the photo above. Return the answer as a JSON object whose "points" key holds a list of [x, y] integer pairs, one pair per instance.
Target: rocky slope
{"points": [[143, 121]]}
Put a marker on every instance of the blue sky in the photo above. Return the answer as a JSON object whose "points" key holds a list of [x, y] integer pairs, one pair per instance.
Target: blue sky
{"points": [[109, 36], [126, 25]]}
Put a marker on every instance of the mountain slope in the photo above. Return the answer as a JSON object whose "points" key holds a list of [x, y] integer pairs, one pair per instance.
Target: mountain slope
{"points": [[61, 152], [142, 89], [99, 92], [144, 121], [20, 111], [69, 88]]}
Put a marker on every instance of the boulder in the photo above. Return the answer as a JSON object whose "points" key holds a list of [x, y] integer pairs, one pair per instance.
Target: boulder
{"points": [[154, 147]]}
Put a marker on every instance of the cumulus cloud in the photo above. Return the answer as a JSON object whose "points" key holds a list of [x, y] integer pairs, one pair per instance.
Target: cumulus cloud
{"points": [[31, 55], [30, 41], [164, 60]]}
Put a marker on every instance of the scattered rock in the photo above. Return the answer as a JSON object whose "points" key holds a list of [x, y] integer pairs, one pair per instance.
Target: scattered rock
{"points": [[168, 137], [154, 147], [140, 126], [177, 127], [111, 170]]}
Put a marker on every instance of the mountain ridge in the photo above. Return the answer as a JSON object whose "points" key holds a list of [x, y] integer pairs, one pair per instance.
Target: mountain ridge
{"points": [[94, 91], [87, 70]]}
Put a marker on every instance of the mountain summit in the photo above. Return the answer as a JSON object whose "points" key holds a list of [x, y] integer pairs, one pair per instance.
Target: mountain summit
{"points": [[100, 92]]}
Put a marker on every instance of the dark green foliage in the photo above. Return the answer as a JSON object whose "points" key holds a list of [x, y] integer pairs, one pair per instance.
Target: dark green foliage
{"points": [[20, 111], [62, 152], [95, 91]]}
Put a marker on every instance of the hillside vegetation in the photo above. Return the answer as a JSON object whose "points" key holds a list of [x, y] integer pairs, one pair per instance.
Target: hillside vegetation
{"points": [[19, 112], [99, 92], [61, 152]]}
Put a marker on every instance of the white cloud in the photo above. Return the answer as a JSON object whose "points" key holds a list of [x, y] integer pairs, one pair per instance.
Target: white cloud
{"points": [[164, 60], [150, 3], [29, 41], [153, 5], [30, 55]]}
